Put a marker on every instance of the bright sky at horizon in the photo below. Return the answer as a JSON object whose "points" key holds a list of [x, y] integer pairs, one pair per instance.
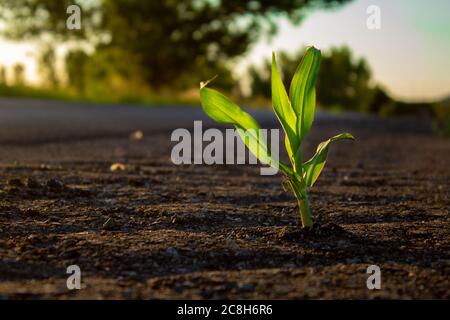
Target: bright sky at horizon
{"points": [[409, 55]]}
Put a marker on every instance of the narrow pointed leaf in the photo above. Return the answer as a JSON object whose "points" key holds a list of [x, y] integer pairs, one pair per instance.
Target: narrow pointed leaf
{"points": [[221, 109], [302, 92], [285, 113], [313, 167]]}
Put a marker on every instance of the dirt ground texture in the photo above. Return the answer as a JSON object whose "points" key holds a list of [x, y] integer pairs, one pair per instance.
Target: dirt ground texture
{"points": [[156, 230]]}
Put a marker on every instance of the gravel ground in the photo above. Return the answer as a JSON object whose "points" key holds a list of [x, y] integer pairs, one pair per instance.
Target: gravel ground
{"points": [[156, 230]]}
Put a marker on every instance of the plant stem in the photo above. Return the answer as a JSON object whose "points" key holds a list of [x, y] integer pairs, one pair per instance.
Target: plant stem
{"points": [[305, 212], [303, 204]]}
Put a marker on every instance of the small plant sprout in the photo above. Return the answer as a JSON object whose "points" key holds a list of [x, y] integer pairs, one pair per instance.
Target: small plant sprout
{"points": [[295, 113]]}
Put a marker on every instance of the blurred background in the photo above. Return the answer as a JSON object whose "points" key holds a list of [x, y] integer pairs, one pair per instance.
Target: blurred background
{"points": [[157, 52]]}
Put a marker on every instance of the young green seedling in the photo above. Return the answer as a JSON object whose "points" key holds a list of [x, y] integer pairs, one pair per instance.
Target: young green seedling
{"points": [[295, 113]]}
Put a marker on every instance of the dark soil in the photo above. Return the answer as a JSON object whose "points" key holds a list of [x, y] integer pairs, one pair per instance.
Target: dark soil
{"points": [[156, 230]]}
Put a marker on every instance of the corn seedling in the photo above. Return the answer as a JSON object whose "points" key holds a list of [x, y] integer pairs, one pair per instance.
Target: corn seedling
{"points": [[295, 113]]}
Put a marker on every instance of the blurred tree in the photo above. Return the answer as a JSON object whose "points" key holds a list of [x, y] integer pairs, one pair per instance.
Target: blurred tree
{"points": [[168, 38], [76, 63], [19, 74], [260, 78], [3, 80], [381, 101], [342, 83], [47, 66], [441, 112], [110, 72]]}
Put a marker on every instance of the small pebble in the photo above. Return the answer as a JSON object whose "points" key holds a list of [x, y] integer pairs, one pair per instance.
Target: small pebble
{"points": [[137, 135], [117, 167]]}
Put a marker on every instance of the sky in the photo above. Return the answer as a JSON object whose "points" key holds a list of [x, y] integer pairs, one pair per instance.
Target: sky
{"points": [[409, 55]]}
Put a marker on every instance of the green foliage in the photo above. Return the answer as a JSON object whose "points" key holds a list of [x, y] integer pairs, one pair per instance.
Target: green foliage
{"points": [[170, 39], [313, 167], [285, 113], [302, 92], [35, 93], [19, 74], [343, 83], [295, 113], [47, 67], [221, 109], [3, 80], [104, 73], [76, 68], [441, 124]]}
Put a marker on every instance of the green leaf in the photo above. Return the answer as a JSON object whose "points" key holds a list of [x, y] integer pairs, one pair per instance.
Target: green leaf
{"points": [[221, 109], [302, 92], [313, 167], [285, 114]]}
